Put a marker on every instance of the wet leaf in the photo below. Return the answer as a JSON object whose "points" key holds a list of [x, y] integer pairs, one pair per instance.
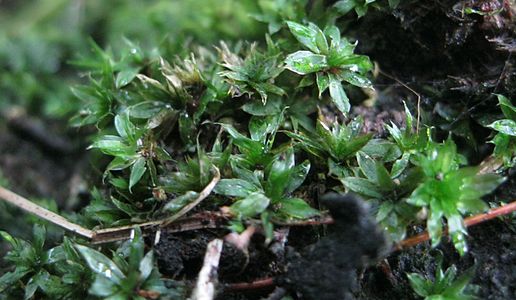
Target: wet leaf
{"points": [[124, 127], [508, 109], [338, 95], [345, 6], [305, 35], [297, 176], [146, 266], [297, 208], [505, 126], [101, 264], [356, 79], [418, 284], [305, 62], [235, 188], [322, 82], [362, 186], [253, 204], [125, 76], [137, 171], [111, 145]]}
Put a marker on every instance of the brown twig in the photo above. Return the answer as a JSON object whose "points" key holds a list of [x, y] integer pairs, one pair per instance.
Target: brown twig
{"points": [[470, 221], [197, 221], [310, 222], [246, 286], [171, 224]]}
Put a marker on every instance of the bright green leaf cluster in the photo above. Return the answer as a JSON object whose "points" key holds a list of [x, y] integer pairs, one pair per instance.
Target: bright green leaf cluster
{"points": [[449, 192], [57, 273], [269, 191], [128, 274], [360, 6], [332, 62], [255, 73], [338, 142], [388, 189], [505, 139], [445, 285]]}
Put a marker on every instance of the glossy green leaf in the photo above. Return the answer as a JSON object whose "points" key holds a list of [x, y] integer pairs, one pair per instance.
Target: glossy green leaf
{"points": [[112, 145], [338, 95], [253, 204], [257, 108], [457, 287], [367, 166], [505, 126], [125, 76], [333, 33], [434, 226], [9, 279], [100, 264], [322, 82], [320, 39], [103, 287], [137, 171], [382, 149], [297, 176], [508, 109], [235, 188], [124, 127], [345, 6], [362, 186], [39, 233], [179, 202], [305, 35], [356, 79], [297, 208], [305, 62], [384, 179], [419, 284], [146, 266], [400, 165]]}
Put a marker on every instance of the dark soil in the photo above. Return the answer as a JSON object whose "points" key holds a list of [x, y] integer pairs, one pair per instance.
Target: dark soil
{"points": [[35, 165], [40, 161]]}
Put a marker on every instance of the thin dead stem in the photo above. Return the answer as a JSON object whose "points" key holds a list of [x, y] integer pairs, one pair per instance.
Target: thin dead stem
{"points": [[173, 223], [414, 92], [204, 193], [44, 213]]}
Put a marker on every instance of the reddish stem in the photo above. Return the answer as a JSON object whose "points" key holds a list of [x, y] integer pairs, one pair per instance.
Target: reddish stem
{"points": [[470, 221], [255, 285]]}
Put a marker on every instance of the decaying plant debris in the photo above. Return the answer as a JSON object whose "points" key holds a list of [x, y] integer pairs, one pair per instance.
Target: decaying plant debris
{"points": [[258, 149]]}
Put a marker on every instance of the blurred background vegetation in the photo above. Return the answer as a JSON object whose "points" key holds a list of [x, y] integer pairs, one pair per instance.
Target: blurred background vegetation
{"points": [[39, 39]]}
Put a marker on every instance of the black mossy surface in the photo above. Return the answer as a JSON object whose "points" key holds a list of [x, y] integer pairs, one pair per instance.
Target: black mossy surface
{"points": [[328, 268]]}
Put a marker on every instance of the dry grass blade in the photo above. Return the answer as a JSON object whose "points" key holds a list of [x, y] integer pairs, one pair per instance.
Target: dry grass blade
{"points": [[205, 287], [44, 213]]}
